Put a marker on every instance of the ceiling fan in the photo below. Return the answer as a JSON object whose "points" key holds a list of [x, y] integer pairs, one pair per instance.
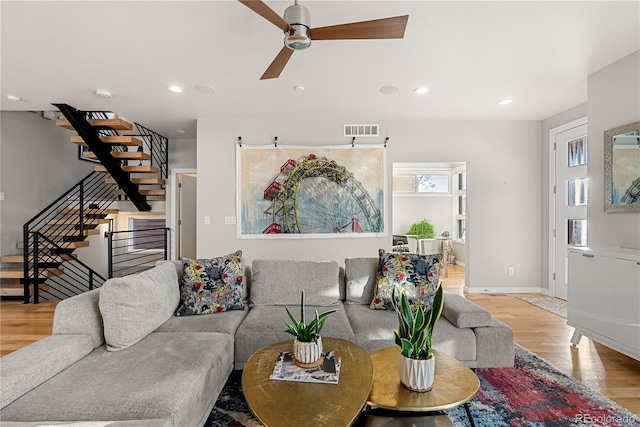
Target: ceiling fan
{"points": [[298, 34]]}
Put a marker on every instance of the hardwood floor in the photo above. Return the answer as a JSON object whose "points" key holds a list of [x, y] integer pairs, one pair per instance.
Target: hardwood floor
{"points": [[546, 334]]}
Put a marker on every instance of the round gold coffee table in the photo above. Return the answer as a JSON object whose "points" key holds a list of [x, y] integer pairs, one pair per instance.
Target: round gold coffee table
{"points": [[286, 403], [455, 384]]}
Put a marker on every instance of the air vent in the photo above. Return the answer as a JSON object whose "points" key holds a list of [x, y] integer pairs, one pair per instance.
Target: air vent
{"points": [[361, 130]]}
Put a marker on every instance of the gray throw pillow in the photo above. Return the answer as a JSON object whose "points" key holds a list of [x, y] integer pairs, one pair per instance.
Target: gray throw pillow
{"points": [[134, 306]]}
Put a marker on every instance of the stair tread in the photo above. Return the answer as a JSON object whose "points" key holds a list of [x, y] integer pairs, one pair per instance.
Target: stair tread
{"points": [[12, 259], [139, 181], [131, 169], [67, 232], [128, 155], [118, 124], [75, 220], [72, 211], [149, 192], [18, 273], [127, 140], [17, 290]]}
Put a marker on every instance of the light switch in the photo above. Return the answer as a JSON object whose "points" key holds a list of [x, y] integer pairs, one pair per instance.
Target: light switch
{"points": [[207, 220], [1, 195], [229, 219]]}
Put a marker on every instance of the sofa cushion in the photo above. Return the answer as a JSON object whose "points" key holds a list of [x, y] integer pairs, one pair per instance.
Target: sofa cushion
{"points": [[226, 322], [265, 325], [30, 366], [360, 278], [417, 275], [134, 306], [173, 377], [280, 282], [80, 314], [373, 330], [212, 285], [464, 313]]}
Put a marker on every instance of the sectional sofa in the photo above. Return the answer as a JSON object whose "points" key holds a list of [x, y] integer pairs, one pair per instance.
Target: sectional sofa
{"points": [[118, 355]]}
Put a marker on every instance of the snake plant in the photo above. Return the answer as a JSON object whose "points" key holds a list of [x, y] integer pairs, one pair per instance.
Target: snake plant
{"points": [[300, 329], [415, 326]]}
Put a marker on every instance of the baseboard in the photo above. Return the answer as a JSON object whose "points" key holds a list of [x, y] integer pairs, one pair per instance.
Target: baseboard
{"points": [[504, 290], [460, 263]]}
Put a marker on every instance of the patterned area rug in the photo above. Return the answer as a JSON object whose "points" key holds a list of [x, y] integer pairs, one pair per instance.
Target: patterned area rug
{"points": [[554, 305], [531, 394]]}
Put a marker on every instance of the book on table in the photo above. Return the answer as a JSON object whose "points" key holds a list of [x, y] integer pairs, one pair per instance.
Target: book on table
{"points": [[287, 370]]}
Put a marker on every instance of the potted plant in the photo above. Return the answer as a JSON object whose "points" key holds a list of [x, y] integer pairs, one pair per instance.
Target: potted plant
{"points": [[422, 229], [416, 364], [307, 344]]}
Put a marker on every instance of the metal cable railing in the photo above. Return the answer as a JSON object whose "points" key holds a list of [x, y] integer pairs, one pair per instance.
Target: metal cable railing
{"points": [[57, 275], [67, 220], [132, 251], [158, 148]]}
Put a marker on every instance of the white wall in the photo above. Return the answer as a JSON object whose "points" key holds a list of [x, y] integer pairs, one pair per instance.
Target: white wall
{"points": [[503, 175], [614, 100], [37, 165]]}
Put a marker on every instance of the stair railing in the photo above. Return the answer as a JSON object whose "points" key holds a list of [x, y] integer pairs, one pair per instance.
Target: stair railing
{"points": [[57, 275], [91, 137], [158, 148], [133, 251], [66, 220]]}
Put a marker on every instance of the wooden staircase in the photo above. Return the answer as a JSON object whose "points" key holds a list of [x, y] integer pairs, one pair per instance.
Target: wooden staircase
{"points": [[147, 177], [12, 266], [127, 161]]}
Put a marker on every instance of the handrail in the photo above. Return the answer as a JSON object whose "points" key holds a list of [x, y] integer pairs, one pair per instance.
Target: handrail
{"points": [[65, 220], [69, 277], [126, 259]]}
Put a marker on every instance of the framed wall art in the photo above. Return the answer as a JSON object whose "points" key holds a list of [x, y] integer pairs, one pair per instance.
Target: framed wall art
{"points": [[307, 192]]}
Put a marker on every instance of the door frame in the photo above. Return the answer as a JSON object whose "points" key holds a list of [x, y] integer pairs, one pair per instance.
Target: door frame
{"points": [[173, 193], [552, 198]]}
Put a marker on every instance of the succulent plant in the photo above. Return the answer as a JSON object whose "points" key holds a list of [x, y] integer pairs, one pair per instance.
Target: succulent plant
{"points": [[415, 324], [300, 329]]}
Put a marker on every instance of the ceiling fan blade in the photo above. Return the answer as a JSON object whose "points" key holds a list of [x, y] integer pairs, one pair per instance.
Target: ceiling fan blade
{"points": [[278, 64], [267, 13], [386, 28]]}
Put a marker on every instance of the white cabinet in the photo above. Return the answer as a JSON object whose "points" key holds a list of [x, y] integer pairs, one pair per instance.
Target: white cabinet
{"points": [[604, 297]]}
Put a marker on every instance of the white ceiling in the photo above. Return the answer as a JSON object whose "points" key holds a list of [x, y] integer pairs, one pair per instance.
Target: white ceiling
{"points": [[470, 54]]}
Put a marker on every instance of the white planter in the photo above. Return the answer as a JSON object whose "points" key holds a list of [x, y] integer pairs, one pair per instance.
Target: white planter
{"points": [[417, 375], [307, 354]]}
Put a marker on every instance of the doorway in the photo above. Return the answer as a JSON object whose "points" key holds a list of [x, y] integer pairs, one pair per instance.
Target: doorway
{"points": [[568, 198], [185, 208]]}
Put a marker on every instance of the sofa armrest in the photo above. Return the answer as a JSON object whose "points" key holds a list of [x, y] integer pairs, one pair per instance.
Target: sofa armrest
{"points": [[30, 366], [464, 313], [80, 315]]}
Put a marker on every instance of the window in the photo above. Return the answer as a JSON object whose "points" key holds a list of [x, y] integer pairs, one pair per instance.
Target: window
{"points": [[433, 183], [461, 205], [147, 234]]}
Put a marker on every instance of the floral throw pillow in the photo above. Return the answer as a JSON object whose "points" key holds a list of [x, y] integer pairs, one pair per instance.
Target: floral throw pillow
{"points": [[416, 275], [211, 285]]}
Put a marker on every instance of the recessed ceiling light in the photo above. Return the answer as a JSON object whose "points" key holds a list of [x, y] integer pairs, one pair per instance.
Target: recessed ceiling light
{"points": [[14, 98], [421, 90], [103, 93], [388, 90], [204, 89], [181, 131], [505, 101], [175, 89], [299, 88]]}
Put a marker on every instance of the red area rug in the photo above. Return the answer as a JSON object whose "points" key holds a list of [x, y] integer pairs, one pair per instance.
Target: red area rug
{"points": [[531, 394]]}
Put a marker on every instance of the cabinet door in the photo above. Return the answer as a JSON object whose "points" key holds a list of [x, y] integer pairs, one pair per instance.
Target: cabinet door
{"points": [[591, 293], [627, 302]]}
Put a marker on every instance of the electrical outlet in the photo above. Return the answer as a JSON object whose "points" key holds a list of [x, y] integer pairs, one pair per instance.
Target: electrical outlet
{"points": [[512, 271], [207, 220]]}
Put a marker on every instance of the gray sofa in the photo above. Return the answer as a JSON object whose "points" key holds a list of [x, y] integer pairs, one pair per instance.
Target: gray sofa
{"points": [[118, 356]]}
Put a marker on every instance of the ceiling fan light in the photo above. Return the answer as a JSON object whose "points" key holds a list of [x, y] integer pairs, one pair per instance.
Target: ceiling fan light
{"points": [[299, 40]]}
